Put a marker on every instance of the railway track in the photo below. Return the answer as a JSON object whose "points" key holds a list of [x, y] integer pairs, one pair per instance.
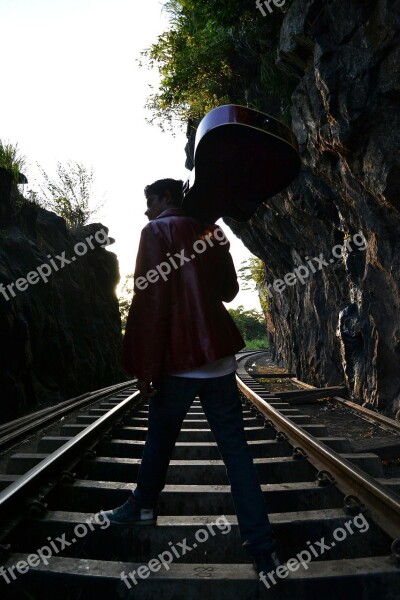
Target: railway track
{"points": [[324, 502], [13, 431]]}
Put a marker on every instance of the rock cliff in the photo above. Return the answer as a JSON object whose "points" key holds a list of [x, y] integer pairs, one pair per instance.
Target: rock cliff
{"points": [[60, 337], [339, 324]]}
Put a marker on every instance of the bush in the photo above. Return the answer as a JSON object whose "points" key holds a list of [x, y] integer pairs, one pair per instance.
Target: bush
{"points": [[251, 325], [257, 344], [69, 195], [11, 160]]}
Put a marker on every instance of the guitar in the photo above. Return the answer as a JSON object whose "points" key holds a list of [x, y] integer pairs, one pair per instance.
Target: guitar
{"points": [[242, 157]]}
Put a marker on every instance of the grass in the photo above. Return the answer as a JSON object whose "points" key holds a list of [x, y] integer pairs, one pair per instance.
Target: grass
{"points": [[257, 344], [11, 160]]}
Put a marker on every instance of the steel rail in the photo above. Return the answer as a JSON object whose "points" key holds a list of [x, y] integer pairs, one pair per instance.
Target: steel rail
{"points": [[382, 503], [13, 431], [13, 499], [10, 425]]}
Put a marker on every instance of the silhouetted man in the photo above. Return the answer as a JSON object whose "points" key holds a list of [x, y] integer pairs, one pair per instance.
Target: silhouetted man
{"points": [[180, 342]]}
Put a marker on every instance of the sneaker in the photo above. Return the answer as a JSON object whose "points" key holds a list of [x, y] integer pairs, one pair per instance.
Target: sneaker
{"points": [[130, 513], [265, 561]]}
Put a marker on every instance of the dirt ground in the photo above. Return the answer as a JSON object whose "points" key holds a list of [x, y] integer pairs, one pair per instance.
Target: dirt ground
{"points": [[339, 420]]}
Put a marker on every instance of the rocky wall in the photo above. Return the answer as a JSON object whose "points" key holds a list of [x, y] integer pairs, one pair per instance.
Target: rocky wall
{"points": [[62, 337]]}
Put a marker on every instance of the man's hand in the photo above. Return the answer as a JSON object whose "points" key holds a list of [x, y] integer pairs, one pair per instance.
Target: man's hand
{"points": [[146, 389]]}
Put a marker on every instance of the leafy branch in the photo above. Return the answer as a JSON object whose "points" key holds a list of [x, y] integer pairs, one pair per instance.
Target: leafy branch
{"points": [[69, 195], [212, 54]]}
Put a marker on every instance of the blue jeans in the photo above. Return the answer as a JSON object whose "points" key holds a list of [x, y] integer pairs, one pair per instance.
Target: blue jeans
{"points": [[221, 403]]}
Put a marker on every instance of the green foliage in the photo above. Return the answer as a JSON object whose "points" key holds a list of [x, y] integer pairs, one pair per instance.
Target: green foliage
{"points": [[257, 344], [252, 274], [212, 53], [11, 160], [68, 195], [250, 323], [125, 300]]}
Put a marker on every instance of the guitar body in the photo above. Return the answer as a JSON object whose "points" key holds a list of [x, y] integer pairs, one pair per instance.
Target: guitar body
{"points": [[242, 157]]}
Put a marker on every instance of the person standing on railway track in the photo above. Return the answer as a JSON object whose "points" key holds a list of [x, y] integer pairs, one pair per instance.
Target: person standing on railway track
{"points": [[180, 342]]}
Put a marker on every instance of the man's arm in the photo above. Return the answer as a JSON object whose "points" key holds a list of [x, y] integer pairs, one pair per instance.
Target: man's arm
{"points": [[230, 285], [147, 327]]}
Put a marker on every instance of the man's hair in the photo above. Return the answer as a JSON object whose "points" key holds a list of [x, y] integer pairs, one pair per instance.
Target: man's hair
{"points": [[173, 186]]}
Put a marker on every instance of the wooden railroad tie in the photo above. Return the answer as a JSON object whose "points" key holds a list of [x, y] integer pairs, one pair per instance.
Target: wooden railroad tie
{"points": [[305, 396]]}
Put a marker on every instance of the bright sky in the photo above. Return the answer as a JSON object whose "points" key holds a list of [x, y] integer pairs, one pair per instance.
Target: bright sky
{"points": [[72, 89]]}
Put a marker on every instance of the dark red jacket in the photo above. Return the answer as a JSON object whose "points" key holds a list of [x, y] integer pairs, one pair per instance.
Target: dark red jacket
{"points": [[177, 321]]}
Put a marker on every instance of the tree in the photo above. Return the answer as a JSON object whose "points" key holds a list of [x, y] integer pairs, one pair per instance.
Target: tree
{"points": [[251, 325], [253, 274], [125, 299], [69, 195], [211, 54], [250, 322]]}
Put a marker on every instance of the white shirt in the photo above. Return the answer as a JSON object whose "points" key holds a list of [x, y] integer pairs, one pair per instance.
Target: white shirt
{"points": [[218, 368]]}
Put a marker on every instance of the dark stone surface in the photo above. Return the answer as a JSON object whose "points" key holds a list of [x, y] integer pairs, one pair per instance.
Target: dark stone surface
{"points": [[61, 338], [5, 197]]}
